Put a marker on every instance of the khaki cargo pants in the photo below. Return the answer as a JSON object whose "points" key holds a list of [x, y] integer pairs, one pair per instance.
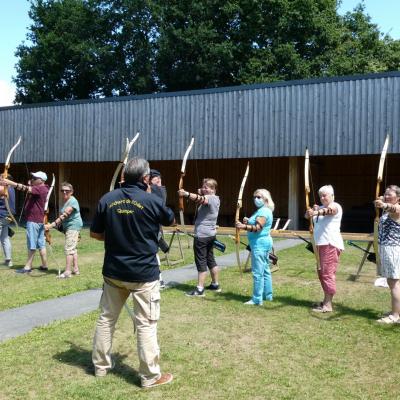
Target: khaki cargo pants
{"points": [[146, 299]]}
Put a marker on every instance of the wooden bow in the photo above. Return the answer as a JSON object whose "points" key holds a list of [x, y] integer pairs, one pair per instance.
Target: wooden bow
{"points": [[239, 205], [47, 234], [124, 160], [121, 164], [377, 193], [180, 186], [5, 175], [307, 192]]}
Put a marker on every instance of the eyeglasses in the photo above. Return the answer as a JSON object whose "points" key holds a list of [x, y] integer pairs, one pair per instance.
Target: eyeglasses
{"points": [[65, 190]]}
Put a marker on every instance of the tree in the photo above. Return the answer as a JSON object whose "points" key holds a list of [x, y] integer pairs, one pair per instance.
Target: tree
{"points": [[86, 49], [65, 60], [362, 47], [94, 48]]}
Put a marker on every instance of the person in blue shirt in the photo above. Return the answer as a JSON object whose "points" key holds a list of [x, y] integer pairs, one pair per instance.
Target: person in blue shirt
{"points": [[71, 221], [258, 227], [5, 222]]}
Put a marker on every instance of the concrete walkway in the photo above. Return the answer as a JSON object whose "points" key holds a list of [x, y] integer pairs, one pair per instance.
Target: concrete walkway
{"points": [[18, 321]]}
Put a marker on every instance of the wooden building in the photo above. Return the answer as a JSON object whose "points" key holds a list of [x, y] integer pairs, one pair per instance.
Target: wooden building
{"points": [[343, 121]]}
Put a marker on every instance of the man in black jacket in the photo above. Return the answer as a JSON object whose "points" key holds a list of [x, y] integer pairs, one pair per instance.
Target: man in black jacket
{"points": [[128, 221]]}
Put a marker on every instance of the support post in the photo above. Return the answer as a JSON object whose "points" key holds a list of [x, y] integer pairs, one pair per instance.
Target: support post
{"points": [[293, 205]]}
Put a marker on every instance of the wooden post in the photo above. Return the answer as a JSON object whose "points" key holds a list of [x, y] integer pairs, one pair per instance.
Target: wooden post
{"points": [[293, 205], [61, 179]]}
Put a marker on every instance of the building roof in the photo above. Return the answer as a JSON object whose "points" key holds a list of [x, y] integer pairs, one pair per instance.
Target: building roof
{"points": [[331, 116]]}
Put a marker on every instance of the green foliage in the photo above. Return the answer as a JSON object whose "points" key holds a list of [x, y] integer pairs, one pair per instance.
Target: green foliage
{"points": [[92, 48]]}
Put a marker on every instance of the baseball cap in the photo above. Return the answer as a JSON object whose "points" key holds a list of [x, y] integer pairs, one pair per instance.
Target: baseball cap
{"points": [[154, 172], [40, 174]]}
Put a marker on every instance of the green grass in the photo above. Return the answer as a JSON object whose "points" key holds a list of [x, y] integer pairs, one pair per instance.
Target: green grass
{"points": [[217, 348], [20, 289]]}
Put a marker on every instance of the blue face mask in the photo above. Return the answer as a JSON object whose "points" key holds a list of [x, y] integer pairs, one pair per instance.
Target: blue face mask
{"points": [[258, 202]]}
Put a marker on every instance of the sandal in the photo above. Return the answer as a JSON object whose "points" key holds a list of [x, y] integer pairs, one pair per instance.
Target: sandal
{"points": [[76, 272], [65, 275], [390, 319]]}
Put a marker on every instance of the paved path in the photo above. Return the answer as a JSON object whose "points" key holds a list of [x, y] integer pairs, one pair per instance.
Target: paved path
{"points": [[18, 321]]}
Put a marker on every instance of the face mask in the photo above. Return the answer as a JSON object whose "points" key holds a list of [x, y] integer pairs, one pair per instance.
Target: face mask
{"points": [[258, 202]]}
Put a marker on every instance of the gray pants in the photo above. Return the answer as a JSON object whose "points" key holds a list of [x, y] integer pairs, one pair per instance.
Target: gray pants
{"points": [[4, 238]]}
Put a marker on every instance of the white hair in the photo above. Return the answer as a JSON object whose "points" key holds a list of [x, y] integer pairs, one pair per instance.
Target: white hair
{"points": [[327, 189], [266, 196]]}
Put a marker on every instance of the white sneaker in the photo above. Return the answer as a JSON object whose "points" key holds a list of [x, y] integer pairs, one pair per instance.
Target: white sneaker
{"points": [[8, 263], [251, 303]]}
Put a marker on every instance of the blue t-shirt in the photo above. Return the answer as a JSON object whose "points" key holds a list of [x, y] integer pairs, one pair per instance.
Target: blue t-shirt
{"points": [[261, 239], [74, 221]]}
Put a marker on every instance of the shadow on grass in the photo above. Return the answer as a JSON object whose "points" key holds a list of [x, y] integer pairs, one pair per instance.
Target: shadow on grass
{"points": [[81, 357], [280, 301], [35, 273], [339, 309], [210, 295]]}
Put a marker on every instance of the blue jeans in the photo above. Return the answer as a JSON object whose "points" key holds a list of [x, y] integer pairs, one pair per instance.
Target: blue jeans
{"points": [[4, 238], [262, 279]]}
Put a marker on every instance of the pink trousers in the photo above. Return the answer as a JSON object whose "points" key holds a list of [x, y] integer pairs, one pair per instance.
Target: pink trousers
{"points": [[329, 261]]}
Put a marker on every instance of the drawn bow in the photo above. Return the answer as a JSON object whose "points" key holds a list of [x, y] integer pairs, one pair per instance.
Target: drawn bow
{"points": [[5, 175], [183, 173], [239, 205], [124, 160], [377, 193], [307, 192], [121, 164], [46, 210]]}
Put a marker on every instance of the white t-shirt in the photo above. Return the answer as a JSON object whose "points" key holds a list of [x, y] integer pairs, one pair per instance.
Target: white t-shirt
{"points": [[327, 228]]}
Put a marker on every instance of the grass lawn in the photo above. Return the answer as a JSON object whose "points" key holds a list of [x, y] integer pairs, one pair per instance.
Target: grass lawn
{"points": [[20, 289], [217, 348]]}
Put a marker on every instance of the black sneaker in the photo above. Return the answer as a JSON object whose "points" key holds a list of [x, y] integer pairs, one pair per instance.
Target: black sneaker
{"points": [[214, 287], [195, 293]]}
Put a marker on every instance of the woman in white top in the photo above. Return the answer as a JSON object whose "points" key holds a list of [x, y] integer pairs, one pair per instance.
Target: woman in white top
{"points": [[329, 242]]}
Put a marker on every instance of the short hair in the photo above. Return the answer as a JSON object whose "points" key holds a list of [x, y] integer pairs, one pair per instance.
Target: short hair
{"points": [[266, 196], [395, 189], [211, 183], [136, 169], [68, 185], [328, 189]]}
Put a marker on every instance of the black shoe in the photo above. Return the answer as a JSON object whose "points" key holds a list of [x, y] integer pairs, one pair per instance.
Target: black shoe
{"points": [[23, 271], [162, 285], [195, 293], [41, 268], [214, 287]]}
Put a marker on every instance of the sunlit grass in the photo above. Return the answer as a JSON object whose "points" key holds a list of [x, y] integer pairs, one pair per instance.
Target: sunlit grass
{"points": [[218, 348]]}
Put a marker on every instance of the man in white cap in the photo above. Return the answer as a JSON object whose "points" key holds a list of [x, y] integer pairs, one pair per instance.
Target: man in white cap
{"points": [[34, 213]]}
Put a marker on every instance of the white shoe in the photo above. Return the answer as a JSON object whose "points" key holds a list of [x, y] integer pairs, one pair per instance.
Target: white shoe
{"points": [[251, 303]]}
